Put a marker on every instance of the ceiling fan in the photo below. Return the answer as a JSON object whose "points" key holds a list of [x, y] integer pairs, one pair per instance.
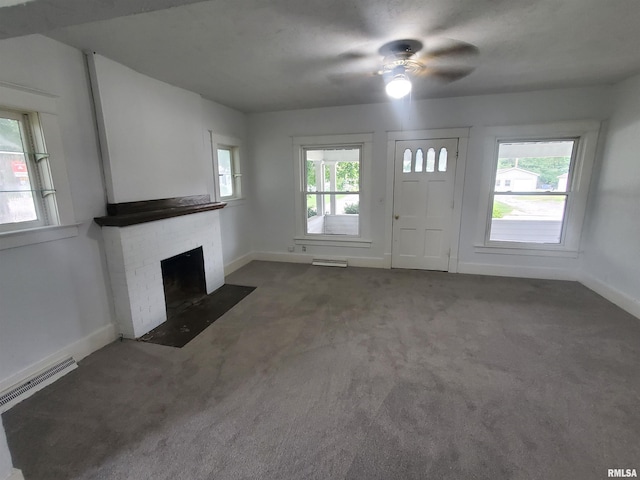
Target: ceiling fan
{"points": [[401, 62]]}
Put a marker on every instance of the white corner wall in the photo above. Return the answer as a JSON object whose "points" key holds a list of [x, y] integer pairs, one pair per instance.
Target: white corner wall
{"points": [[54, 296], [611, 239], [271, 140], [236, 218], [150, 135], [156, 144]]}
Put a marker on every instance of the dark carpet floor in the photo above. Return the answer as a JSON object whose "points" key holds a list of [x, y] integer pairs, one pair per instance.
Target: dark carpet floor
{"points": [[327, 373]]}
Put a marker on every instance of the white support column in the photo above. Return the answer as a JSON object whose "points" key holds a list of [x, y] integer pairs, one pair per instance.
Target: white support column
{"points": [[332, 186], [319, 186]]}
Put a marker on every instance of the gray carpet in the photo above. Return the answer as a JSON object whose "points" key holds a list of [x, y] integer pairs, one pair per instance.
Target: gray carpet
{"points": [[327, 373]]}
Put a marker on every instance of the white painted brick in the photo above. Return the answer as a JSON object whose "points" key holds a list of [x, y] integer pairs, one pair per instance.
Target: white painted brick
{"points": [[133, 259]]}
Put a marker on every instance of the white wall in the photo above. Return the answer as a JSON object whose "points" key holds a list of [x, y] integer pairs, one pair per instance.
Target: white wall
{"points": [[611, 240], [154, 147], [54, 295], [236, 218], [273, 165], [158, 145], [6, 466]]}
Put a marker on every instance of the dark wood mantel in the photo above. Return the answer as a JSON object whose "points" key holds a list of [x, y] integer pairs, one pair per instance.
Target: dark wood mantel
{"points": [[133, 213]]}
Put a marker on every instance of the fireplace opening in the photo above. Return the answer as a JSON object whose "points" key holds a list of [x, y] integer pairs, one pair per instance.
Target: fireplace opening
{"points": [[184, 281]]}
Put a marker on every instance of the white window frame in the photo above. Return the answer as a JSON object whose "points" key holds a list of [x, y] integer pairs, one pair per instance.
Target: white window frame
{"points": [[300, 144], [41, 110], [585, 133], [232, 144]]}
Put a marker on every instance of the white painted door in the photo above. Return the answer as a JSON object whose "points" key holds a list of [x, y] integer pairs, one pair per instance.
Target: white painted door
{"points": [[423, 203]]}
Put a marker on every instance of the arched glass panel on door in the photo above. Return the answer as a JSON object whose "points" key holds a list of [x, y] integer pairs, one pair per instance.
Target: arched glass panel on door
{"points": [[406, 161], [431, 160], [419, 161], [442, 160]]}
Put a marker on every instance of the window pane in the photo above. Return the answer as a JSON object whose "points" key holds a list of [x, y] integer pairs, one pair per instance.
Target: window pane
{"points": [[527, 218], [534, 166], [406, 161], [333, 214], [225, 172], [419, 161], [338, 167], [442, 160], [431, 160], [10, 136], [347, 176], [313, 171], [17, 201]]}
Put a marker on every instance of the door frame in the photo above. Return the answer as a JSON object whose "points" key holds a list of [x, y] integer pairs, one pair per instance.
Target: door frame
{"points": [[462, 134]]}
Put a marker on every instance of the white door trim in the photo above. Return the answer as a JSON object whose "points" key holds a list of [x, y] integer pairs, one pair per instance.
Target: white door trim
{"points": [[462, 134]]}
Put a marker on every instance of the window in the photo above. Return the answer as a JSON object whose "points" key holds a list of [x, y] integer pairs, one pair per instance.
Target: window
{"points": [[227, 168], [27, 194], [332, 176], [228, 176], [332, 190], [540, 177], [531, 208]]}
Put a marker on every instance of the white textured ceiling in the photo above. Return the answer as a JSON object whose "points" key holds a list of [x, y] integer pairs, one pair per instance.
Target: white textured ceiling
{"points": [[257, 55]]}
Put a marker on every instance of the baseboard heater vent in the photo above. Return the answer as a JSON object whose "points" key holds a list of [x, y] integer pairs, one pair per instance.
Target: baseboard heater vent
{"points": [[16, 394], [325, 262]]}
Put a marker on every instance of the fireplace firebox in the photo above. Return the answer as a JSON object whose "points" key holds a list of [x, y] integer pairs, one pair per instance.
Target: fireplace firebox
{"points": [[184, 281]]}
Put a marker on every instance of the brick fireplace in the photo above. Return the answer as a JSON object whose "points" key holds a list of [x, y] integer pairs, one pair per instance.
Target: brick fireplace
{"points": [[138, 236]]}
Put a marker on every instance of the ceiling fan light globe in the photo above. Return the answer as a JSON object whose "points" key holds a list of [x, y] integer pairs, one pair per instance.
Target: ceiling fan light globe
{"points": [[398, 87]]}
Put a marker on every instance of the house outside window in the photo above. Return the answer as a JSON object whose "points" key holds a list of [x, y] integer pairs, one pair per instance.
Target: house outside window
{"points": [[27, 194], [540, 178]]}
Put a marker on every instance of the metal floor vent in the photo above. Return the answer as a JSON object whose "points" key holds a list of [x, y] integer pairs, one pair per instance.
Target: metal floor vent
{"points": [[325, 262], [18, 393]]}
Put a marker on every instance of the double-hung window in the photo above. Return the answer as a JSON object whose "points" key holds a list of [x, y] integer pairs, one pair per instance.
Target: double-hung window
{"points": [[539, 182], [27, 194], [333, 182], [332, 189], [228, 174], [227, 167], [530, 197]]}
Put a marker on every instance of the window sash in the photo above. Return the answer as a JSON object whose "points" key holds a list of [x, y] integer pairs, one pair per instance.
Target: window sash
{"points": [[331, 193], [567, 193], [42, 194], [233, 174]]}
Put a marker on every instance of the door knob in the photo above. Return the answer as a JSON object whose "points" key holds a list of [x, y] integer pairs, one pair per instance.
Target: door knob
{"points": [[396, 217]]}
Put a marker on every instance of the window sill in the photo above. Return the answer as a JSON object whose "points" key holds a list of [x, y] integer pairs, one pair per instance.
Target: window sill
{"points": [[333, 242], [233, 201], [21, 238], [527, 249]]}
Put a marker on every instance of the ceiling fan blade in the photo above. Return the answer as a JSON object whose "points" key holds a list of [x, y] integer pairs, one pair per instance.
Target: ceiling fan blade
{"points": [[445, 74], [455, 49]]}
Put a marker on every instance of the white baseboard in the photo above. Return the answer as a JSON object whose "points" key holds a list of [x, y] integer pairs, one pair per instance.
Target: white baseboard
{"points": [[517, 271], [78, 350], [367, 262], [238, 263], [621, 299]]}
